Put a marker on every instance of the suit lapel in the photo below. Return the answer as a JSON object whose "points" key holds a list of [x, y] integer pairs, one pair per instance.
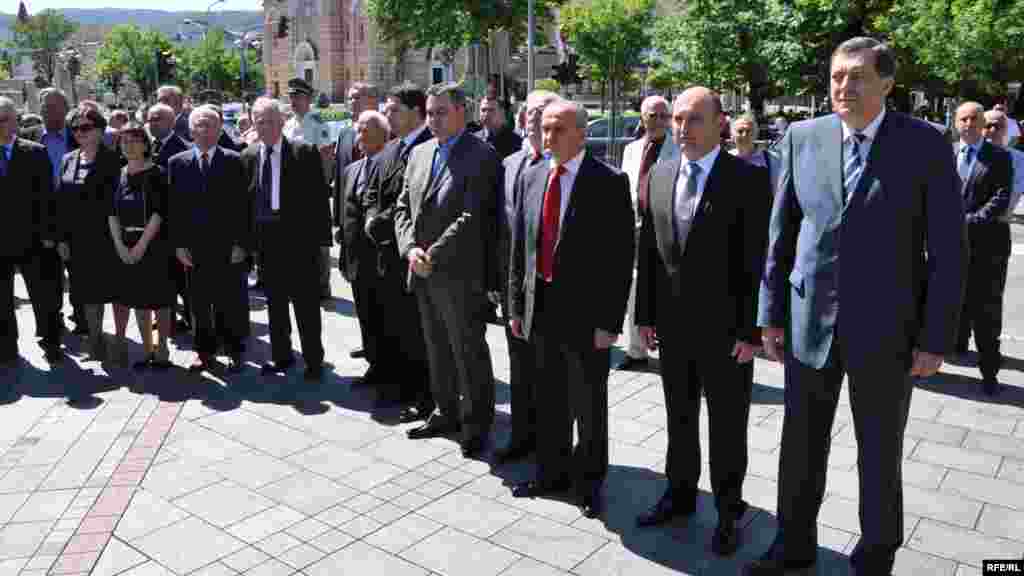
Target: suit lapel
{"points": [[979, 167], [875, 157], [431, 182], [830, 144], [663, 200]]}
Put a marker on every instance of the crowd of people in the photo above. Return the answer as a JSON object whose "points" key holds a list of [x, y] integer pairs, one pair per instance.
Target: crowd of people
{"points": [[712, 256]]}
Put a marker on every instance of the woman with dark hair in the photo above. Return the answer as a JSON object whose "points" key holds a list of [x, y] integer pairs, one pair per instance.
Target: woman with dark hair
{"points": [[138, 229], [88, 178]]}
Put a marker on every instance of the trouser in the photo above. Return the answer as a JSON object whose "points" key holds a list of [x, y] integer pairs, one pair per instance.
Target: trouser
{"points": [[325, 269], [727, 387], [77, 307], [983, 309], [400, 346], [523, 382], [43, 273], [364, 295], [291, 276], [217, 317], [461, 375], [635, 345], [880, 400]]}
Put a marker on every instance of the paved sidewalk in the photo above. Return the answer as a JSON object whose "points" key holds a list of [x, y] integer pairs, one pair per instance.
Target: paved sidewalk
{"points": [[173, 474]]}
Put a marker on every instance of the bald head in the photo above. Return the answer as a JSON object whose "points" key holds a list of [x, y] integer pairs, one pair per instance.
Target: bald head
{"points": [[656, 117], [564, 125], [372, 130], [697, 121]]}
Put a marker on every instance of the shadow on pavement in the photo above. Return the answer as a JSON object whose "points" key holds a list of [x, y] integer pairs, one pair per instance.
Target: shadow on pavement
{"points": [[970, 388]]}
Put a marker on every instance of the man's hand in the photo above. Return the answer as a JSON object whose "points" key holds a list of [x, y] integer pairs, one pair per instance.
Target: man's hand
{"points": [[604, 340], [64, 251], [237, 255], [773, 339], [516, 325], [649, 336], [743, 352], [420, 262], [925, 364], [184, 256]]}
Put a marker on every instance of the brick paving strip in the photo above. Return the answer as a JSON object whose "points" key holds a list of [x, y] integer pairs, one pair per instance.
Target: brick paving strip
{"points": [[97, 526]]}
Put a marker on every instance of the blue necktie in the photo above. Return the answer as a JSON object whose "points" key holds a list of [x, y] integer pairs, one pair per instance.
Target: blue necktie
{"points": [[964, 166], [3, 161], [853, 167]]}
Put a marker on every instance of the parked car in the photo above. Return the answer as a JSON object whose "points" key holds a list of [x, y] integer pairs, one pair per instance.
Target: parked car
{"points": [[597, 135]]}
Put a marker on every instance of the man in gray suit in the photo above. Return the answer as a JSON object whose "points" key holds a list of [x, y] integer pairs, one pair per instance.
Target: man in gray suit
{"points": [[445, 226], [881, 308]]}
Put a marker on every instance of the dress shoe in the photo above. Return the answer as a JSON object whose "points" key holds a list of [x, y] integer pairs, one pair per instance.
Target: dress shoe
{"points": [[592, 504], [991, 386], [313, 373], [726, 539], [235, 365], [145, 363], [80, 329], [776, 567], [277, 367], [202, 362], [535, 488], [666, 509], [630, 363], [414, 413], [472, 447], [369, 378], [431, 430], [514, 451], [357, 353]]}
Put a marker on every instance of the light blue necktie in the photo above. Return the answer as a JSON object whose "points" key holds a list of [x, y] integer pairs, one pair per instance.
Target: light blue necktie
{"points": [[854, 166], [964, 165]]}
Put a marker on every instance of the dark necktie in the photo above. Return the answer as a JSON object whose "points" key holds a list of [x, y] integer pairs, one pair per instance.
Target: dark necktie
{"points": [[645, 172], [3, 161], [204, 164], [550, 222], [267, 178]]}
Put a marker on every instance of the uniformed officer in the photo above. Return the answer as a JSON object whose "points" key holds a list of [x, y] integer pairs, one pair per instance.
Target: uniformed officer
{"points": [[308, 126]]}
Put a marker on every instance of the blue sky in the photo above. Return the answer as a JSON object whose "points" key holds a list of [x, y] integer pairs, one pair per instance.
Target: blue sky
{"points": [[11, 6]]}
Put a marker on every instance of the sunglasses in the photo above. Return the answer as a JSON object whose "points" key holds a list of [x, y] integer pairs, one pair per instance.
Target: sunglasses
{"points": [[83, 128]]}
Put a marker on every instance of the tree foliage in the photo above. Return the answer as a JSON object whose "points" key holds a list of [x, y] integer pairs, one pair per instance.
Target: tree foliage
{"points": [[43, 35], [129, 53], [610, 36]]}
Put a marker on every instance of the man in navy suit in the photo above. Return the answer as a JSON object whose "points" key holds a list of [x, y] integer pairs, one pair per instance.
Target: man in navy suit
{"points": [[213, 233], [986, 172], [881, 308]]}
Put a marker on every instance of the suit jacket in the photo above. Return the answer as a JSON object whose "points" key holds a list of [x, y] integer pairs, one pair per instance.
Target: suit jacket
{"points": [[209, 214], [633, 155], [181, 128], [227, 142], [468, 183], [304, 207], [901, 279], [343, 150], [35, 134], [508, 204], [356, 248], [505, 141], [593, 257], [80, 211], [715, 277], [28, 216], [986, 196], [171, 146], [386, 186]]}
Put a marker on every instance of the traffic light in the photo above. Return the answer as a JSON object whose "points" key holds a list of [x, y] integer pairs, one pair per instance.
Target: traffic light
{"points": [[282, 27]]}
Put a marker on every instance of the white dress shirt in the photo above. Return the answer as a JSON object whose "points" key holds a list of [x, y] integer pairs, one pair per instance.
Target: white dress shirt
{"points": [[275, 165], [566, 182], [706, 162]]}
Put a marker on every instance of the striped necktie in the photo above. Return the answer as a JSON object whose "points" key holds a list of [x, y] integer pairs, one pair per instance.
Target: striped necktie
{"points": [[854, 166]]}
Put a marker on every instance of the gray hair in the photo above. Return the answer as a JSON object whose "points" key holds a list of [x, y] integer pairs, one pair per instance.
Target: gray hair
{"points": [[6, 104], [971, 104], [199, 112], [452, 90], [173, 90], [748, 118], [650, 101], [545, 96], [162, 109], [582, 118], [377, 118], [45, 93], [264, 103], [885, 62]]}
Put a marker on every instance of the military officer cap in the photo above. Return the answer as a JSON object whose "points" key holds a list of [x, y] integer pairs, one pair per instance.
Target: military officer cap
{"points": [[299, 86]]}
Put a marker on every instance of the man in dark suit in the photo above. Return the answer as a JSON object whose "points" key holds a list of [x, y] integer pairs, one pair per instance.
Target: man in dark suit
{"points": [[26, 230], [522, 359], [986, 173], [57, 137], [495, 131], [400, 334], [172, 96], [357, 257], [286, 182], [444, 222], [211, 206], [880, 309], [571, 267], [361, 97], [707, 212]]}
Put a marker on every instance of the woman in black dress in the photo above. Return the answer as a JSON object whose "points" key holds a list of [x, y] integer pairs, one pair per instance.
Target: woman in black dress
{"points": [[139, 232], [88, 178]]}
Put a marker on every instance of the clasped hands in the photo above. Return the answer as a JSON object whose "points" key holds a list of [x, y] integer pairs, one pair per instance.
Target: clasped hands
{"points": [[420, 262]]}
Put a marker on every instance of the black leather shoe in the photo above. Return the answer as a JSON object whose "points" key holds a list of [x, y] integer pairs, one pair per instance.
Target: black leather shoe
{"points": [[80, 329], [592, 505], [357, 353], [726, 539], [991, 386], [414, 413], [535, 488], [277, 367], [429, 430], [313, 373], [630, 363], [369, 378], [513, 452], [235, 365], [472, 447], [775, 567], [53, 354], [666, 509]]}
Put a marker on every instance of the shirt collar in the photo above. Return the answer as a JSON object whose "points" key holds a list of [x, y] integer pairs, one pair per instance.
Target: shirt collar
{"points": [[974, 147], [209, 153], [412, 136], [869, 131], [62, 134], [573, 165], [706, 161], [277, 146], [451, 141]]}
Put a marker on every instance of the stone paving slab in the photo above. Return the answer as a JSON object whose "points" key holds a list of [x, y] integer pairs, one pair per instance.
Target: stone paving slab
{"points": [[152, 475]]}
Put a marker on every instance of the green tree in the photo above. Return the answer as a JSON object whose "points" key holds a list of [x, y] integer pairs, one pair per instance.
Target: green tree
{"points": [[43, 35], [549, 84], [129, 53]]}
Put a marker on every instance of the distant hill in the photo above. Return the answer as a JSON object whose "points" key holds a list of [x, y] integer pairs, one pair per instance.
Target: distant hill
{"points": [[167, 22]]}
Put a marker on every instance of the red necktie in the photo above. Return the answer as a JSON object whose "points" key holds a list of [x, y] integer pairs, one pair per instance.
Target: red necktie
{"points": [[549, 225], [645, 171]]}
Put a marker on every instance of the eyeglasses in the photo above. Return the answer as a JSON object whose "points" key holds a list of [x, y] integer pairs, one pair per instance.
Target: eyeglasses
{"points": [[83, 128]]}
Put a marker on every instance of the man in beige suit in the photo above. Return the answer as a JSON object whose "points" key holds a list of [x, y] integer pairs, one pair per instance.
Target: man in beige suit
{"points": [[638, 160], [445, 226]]}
